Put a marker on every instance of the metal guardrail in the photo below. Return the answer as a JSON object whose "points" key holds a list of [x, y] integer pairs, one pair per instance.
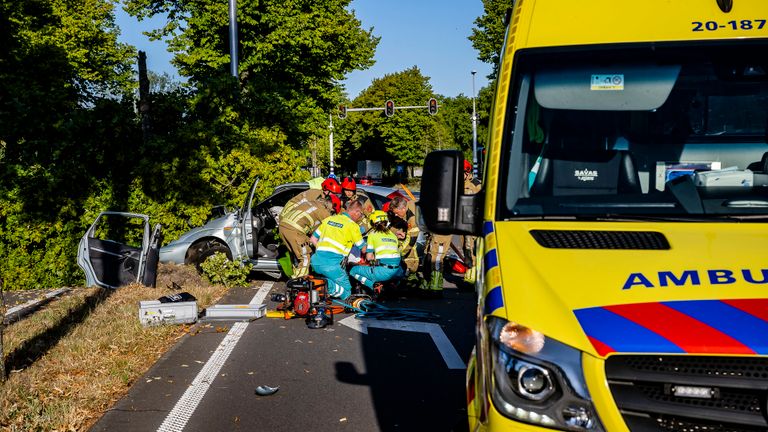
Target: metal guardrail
{"points": [[18, 312]]}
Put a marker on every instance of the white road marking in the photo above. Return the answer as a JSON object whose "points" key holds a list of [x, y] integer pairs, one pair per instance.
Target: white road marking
{"points": [[261, 294], [444, 345], [177, 419]]}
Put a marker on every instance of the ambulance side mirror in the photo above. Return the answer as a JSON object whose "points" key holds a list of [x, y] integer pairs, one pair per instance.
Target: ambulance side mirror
{"points": [[445, 208]]}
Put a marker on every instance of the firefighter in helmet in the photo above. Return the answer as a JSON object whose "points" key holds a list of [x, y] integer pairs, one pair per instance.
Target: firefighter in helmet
{"points": [[297, 225], [328, 186], [382, 253]]}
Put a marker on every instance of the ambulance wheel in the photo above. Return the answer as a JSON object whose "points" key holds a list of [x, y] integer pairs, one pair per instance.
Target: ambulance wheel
{"points": [[201, 251]]}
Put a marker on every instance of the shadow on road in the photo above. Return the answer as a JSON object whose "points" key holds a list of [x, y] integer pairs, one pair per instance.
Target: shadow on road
{"points": [[411, 386]]}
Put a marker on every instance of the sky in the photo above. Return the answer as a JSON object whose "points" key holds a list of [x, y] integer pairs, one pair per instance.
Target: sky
{"points": [[429, 34]]}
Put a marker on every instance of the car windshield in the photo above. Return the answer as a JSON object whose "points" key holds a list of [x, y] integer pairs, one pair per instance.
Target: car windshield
{"points": [[661, 131]]}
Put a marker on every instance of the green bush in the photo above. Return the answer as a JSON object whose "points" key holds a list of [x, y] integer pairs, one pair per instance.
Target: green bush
{"points": [[220, 270]]}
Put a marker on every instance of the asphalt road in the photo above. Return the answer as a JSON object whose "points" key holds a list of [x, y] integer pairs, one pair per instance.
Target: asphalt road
{"points": [[331, 379]]}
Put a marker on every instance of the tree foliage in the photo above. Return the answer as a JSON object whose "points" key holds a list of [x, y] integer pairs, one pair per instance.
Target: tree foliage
{"points": [[292, 55], [488, 37], [72, 145], [62, 124]]}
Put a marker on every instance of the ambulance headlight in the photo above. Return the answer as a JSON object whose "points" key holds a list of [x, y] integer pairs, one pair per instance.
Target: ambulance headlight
{"points": [[538, 380]]}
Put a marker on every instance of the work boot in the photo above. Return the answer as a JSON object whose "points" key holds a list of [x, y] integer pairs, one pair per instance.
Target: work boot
{"points": [[470, 275], [435, 285]]}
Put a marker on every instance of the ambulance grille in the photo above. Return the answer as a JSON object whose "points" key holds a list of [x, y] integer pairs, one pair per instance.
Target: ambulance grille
{"points": [[562, 239], [641, 386]]}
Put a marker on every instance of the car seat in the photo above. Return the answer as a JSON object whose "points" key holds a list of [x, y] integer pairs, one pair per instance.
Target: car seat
{"points": [[586, 173], [576, 162]]}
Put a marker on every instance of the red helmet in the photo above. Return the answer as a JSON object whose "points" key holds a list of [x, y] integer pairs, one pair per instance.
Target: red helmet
{"points": [[467, 166], [331, 185], [336, 203], [349, 184]]}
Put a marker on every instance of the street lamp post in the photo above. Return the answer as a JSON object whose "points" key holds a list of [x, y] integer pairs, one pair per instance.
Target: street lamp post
{"points": [[330, 143], [474, 128], [233, 37]]}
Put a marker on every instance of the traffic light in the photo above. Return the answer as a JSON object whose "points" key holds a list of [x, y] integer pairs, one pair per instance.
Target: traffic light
{"points": [[432, 106], [342, 111], [389, 108]]}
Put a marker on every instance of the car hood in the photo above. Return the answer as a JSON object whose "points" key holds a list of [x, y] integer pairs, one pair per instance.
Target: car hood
{"points": [[705, 293]]}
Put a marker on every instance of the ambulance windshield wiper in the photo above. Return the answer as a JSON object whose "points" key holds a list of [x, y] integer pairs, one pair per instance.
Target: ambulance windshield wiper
{"points": [[686, 218]]}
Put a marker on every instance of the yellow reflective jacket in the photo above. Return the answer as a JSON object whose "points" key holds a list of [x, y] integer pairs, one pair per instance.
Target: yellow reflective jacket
{"points": [[337, 234]]}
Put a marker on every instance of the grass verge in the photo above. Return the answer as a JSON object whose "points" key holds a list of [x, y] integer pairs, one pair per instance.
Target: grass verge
{"points": [[72, 360]]}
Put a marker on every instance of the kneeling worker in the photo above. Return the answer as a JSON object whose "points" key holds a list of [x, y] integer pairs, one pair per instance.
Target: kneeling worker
{"points": [[297, 225], [381, 251], [333, 240]]}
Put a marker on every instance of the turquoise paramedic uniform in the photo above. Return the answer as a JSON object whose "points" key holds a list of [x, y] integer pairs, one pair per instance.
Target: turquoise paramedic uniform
{"points": [[384, 246], [336, 236]]}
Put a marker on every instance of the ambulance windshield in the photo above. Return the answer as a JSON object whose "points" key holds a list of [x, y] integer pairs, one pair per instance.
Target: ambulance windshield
{"points": [[647, 131]]}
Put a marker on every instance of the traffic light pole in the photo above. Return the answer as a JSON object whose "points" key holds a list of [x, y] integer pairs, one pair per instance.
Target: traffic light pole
{"points": [[389, 110], [474, 129], [431, 107]]}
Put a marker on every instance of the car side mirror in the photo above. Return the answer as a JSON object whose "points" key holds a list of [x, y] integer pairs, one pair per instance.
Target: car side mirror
{"points": [[445, 208]]}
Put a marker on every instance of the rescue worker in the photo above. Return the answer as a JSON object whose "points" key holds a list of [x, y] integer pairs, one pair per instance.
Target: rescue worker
{"points": [[437, 248], [351, 192], [382, 253], [297, 225], [328, 187], [402, 216], [472, 186], [333, 240], [439, 245]]}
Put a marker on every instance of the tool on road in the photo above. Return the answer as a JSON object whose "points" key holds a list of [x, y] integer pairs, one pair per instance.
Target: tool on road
{"points": [[249, 312], [154, 312], [307, 297]]}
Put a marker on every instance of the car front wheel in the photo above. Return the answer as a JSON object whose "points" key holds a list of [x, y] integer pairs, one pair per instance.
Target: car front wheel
{"points": [[199, 252]]}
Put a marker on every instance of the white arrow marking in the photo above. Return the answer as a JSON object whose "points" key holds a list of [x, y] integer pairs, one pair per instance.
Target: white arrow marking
{"points": [[451, 357]]}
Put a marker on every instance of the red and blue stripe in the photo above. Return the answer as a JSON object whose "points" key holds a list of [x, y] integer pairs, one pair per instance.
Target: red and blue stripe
{"points": [[692, 326]]}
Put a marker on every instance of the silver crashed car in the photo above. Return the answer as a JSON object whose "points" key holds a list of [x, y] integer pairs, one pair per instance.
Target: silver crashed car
{"points": [[249, 234]]}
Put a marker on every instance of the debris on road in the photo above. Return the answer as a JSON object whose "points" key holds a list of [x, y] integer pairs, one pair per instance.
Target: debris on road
{"points": [[265, 390]]}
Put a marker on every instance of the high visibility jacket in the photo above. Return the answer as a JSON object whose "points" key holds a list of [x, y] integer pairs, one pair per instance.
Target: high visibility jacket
{"points": [[384, 246], [307, 195], [337, 235], [306, 216]]}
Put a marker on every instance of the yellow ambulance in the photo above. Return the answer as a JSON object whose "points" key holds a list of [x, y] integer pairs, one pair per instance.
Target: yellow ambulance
{"points": [[623, 220]]}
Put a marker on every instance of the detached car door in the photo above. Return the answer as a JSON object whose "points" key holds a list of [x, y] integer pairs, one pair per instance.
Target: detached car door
{"points": [[248, 223], [119, 249]]}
